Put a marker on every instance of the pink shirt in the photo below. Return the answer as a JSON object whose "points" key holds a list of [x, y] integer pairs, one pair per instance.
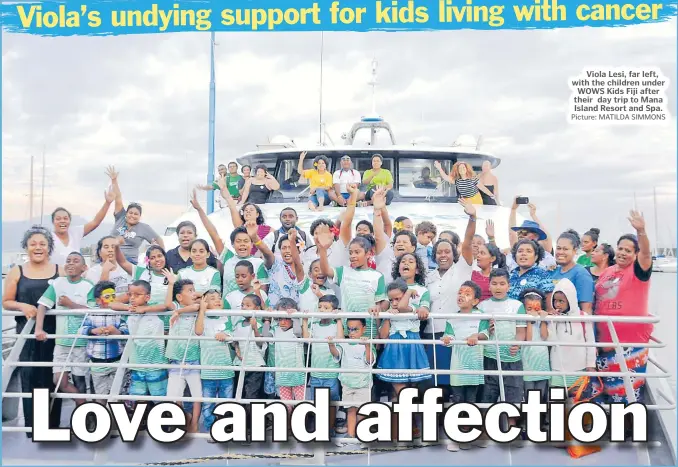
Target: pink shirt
{"points": [[623, 292], [484, 284]]}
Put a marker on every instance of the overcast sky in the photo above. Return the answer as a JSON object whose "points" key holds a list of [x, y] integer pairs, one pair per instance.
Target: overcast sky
{"points": [[141, 103]]}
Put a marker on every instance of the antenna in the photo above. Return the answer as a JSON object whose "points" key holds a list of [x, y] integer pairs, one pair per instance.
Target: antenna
{"points": [[320, 116], [656, 220], [373, 83], [210, 142], [42, 195], [30, 195]]}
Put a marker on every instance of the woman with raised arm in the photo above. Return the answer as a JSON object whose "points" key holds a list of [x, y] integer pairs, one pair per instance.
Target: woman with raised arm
{"points": [[128, 224], [532, 230], [491, 182], [319, 181], [24, 285], [257, 188], [623, 290], [466, 182], [68, 238], [249, 215]]}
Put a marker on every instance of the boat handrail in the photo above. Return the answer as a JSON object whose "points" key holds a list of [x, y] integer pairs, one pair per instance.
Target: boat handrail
{"points": [[11, 361]]}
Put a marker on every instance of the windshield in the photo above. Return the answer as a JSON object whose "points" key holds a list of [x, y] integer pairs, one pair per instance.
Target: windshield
{"points": [[420, 178]]}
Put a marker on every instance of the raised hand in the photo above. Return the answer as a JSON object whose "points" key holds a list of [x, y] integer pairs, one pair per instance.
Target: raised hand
{"points": [[109, 195], [112, 173], [469, 208], [292, 236], [533, 209], [169, 275], [637, 220], [108, 266], [489, 228], [256, 285], [379, 198], [302, 156], [194, 201], [325, 239]]}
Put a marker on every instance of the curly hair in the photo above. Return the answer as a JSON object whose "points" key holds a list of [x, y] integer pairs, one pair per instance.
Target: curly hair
{"points": [[455, 170], [420, 274], [260, 214], [455, 252], [38, 230], [538, 249]]}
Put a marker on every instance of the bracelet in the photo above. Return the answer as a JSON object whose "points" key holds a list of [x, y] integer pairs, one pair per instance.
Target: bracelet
{"points": [[472, 218], [642, 234], [490, 238], [257, 243], [351, 204]]}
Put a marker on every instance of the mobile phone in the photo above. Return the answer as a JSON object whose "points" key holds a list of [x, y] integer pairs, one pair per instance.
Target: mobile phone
{"points": [[522, 200]]}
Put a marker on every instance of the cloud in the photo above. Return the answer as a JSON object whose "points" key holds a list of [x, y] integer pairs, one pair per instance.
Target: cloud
{"points": [[141, 103]]}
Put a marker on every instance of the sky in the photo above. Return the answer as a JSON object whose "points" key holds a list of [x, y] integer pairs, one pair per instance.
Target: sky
{"points": [[141, 104]]}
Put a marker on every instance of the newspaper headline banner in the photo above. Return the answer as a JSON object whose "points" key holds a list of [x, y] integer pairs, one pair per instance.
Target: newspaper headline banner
{"points": [[102, 18]]}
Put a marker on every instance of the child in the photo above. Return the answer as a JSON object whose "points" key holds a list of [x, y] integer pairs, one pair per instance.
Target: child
{"points": [[217, 351], [570, 359], [359, 355], [247, 284], [184, 352], [242, 245], [250, 353], [536, 357], [291, 385], [284, 270], [104, 350], [465, 387], [511, 359], [203, 276], [150, 350], [426, 234], [363, 288], [320, 354], [69, 292]]}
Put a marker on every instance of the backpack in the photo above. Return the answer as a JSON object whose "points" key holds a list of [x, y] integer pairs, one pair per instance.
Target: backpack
{"points": [[276, 236]]}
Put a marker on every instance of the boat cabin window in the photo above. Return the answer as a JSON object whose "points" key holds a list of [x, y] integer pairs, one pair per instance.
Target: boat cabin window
{"points": [[420, 178], [292, 184], [169, 231], [361, 164]]}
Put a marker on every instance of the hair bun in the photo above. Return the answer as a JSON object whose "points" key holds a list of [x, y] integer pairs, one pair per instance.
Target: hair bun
{"points": [[594, 230]]}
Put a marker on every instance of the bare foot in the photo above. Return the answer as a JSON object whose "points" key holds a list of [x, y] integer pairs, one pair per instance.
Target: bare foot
{"points": [[312, 207]]}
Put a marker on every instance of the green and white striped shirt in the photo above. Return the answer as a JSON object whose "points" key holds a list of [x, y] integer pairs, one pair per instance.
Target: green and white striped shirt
{"points": [[423, 300], [360, 290], [203, 279], [503, 330], [466, 357], [288, 355], [308, 301], [536, 357], [214, 352], [146, 351], [230, 259], [320, 351], [80, 292], [179, 349], [352, 357], [252, 354], [158, 287]]}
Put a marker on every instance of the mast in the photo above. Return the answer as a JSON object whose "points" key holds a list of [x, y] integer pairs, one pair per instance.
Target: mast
{"points": [[210, 142], [373, 83], [320, 117], [30, 196], [42, 195], [656, 221]]}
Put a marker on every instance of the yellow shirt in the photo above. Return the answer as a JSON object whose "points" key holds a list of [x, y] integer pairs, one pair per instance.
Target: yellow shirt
{"points": [[318, 180]]}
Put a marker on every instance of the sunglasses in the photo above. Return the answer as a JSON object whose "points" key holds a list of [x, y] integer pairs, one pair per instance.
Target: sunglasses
{"points": [[524, 233]]}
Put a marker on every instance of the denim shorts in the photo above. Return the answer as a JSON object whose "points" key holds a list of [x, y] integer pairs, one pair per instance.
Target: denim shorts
{"points": [[153, 382], [332, 383]]}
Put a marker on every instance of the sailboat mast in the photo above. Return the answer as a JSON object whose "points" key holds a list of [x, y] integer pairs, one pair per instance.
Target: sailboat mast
{"points": [[30, 196], [42, 194], [210, 143], [320, 117], [656, 221]]}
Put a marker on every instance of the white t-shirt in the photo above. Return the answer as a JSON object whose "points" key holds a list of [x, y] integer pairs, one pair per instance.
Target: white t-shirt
{"points": [[444, 290], [337, 255], [118, 276], [61, 251], [344, 177]]}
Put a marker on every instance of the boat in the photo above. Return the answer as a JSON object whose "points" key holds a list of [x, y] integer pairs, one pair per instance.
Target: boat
{"points": [[664, 264], [406, 162]]}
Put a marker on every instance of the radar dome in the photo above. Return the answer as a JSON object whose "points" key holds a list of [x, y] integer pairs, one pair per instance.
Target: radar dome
{"points": [[465, 141]]}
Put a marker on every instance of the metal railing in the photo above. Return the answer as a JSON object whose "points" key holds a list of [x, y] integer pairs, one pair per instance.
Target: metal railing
{"points": [[11, 356]]}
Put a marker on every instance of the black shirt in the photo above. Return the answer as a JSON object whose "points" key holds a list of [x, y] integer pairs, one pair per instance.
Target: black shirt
{"points": [[175, 262]]}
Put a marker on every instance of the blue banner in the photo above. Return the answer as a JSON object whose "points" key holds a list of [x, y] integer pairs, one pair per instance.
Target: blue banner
{"points": [[100, 18]]}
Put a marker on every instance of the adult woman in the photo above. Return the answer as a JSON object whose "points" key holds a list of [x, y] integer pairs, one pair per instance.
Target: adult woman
{"points": [[566, 246], [489, 181], [180, 257], [403, 223], [443, 285], [250, 215], [528, 274], [466, 182], [128, 225], [589, 242], [257, 188], [601, 259], [67, 238], [377, 176], [487, 258], [246, 173], [623, 290], [320, 182], [24, 285]]}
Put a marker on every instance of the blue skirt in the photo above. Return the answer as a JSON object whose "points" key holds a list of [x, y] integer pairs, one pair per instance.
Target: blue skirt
{"points": [[405, 357], [443, 356]]}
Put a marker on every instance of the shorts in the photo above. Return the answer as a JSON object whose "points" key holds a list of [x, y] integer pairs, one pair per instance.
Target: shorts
{"points": [[469, 394], [184, 371], [513, 385], [355, 397], [66, 354], [103, 381], [332, 383], [143, 383]]}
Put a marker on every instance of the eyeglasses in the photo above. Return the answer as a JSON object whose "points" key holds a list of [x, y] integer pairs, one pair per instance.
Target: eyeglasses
{"points": [[524, 233]]}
